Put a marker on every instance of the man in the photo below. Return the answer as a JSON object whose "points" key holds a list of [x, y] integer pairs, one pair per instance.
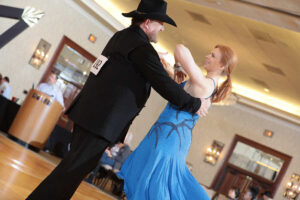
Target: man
{"points": [[233, 193], [51, 89], [114, 96], [251, 193], [5, 88]]}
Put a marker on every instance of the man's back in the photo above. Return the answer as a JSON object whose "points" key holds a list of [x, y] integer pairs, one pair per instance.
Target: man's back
{"points": [[118, 92]]}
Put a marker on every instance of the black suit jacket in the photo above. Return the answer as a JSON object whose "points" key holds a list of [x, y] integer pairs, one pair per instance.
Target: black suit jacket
{"points": [[110, 101]]}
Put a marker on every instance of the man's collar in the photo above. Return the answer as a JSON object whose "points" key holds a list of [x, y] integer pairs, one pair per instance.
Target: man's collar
{"points": [[140, 31]]}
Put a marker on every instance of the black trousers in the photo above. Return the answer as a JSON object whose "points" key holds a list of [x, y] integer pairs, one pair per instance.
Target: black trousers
{"points": [[86, 150]]}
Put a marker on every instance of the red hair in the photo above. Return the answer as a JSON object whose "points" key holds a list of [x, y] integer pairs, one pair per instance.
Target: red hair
{"points": [[229, 60]]}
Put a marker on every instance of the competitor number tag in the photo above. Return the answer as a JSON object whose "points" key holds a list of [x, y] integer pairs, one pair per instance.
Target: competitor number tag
{"points": [[98, 64]]}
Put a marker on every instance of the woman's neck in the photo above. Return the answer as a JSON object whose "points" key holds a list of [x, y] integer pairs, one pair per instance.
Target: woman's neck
{"points": [[214, 76]]}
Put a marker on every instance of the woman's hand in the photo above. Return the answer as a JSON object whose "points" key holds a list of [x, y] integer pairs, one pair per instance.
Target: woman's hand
{"points": [[179, 76]]}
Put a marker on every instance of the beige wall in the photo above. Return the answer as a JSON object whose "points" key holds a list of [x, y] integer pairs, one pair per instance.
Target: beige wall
{"points": [[222, 123], [62, 17]]}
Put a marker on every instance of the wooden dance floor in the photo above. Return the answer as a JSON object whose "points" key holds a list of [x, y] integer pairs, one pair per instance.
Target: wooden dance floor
{"points": [[21, 170]]}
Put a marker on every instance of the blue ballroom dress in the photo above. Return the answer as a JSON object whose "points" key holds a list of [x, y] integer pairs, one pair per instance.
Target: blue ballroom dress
{"points": [[156, 170]]}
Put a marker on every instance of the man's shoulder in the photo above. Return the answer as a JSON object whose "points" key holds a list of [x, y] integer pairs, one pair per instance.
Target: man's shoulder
{"points": [[6, 86], [145, 51], [5, 83], [42, 85], [145, 48], [135, 35], [45, 87]]}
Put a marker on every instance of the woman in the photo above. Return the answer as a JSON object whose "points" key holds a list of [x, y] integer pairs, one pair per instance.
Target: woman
{"points": [[156, 170]]}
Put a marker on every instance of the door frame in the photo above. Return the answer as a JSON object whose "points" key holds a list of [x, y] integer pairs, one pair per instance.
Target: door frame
{"points": [[64, 121], [273, 185], [65, 41], [72, 44]]}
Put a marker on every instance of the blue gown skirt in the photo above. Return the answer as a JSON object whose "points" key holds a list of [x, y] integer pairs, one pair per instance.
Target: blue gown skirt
{"points": [[156, 170]]}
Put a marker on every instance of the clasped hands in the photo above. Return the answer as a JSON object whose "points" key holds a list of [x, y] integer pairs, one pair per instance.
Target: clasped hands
{"points": [[179, 77]]}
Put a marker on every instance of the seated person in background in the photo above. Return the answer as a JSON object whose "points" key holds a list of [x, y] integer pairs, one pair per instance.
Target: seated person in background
{"points": [[266, 196], [51, 89], [114, 157], [122, 154], [251, 193], [233, 193], [107, 158], [5, 88]]}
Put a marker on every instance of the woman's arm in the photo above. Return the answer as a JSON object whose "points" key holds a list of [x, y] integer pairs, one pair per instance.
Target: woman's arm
{"points": [[177, 76], [184, 57]]}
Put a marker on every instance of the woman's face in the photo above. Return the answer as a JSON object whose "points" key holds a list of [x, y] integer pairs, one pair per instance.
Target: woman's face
{"points": [[213, 60]]}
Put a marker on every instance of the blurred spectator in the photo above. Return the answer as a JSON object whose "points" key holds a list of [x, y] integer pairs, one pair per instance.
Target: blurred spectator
{"points": [[251, 193], [233, 193], [266, 196], [114, 156], [51, 89], [122, 154], [5, 88]]}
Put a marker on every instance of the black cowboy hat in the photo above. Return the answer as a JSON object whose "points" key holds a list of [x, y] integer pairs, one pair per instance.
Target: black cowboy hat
{"points": [[152, 9]]}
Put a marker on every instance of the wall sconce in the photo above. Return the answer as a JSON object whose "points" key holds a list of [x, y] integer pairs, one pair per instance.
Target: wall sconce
{"points": [[292, 188], [213, 152], [92, 38], [268, 133], [40, 54]]}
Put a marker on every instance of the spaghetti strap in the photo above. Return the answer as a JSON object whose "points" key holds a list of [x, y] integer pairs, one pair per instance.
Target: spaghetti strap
{"points": [[182, 84], [214, 91]]}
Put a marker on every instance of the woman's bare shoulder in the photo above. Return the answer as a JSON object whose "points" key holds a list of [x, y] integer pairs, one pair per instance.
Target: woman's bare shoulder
{"points": [[202, 90]]}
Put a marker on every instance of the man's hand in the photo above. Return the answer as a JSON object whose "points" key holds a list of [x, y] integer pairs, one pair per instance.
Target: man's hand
{"points": [[169, 69], [205, 105], [162, 54]]}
